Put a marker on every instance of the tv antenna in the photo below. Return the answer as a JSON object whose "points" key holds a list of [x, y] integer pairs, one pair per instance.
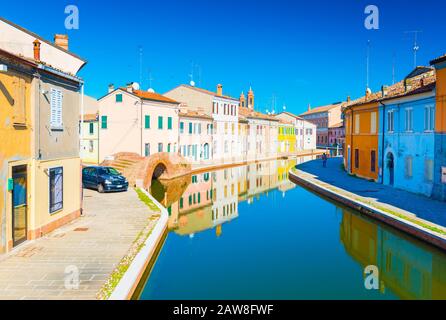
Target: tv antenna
{"points": [[416, 47], [150, 82], [368, 64], [140, 64]]}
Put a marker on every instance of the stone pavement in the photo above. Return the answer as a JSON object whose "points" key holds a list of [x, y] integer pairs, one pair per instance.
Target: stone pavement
{"points": [[421, 206], [94, 244]]}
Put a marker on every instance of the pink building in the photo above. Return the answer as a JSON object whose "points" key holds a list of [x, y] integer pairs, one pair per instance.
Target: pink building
{"points": [[336, 135]]}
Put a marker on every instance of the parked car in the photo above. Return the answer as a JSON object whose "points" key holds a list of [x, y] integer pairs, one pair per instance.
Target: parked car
{"points": [[103, 179]]}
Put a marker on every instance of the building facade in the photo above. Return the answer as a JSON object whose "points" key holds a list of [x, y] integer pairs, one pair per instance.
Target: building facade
{"points": [[40, 167], [138, 122], [89, 131], [305, 131], [324, 117]]}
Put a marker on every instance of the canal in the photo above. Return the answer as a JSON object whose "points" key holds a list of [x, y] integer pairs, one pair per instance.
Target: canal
{"points": [[250, 233]]}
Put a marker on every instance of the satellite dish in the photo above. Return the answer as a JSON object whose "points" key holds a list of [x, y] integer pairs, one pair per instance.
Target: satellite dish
{"points": [[192, 83], [369, 91], [135, 86], [284, 108], [151, 90]]}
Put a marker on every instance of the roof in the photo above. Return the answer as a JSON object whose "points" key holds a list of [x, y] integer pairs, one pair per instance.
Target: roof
{"points": [[90, 117], [421, 83], [39, 37], [214, 94], [322, 109], [145, 95], [248, 113], [291, 115], [194, 114], [438, 60]]}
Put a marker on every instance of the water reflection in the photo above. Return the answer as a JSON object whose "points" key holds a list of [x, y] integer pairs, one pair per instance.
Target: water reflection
{"points": [[298, 244], [411, 271]]}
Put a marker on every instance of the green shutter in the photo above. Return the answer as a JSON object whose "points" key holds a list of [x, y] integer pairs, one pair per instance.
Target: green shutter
{"points": [[181, 203], [119, 98], [190, 127], [147, 122], [160, 122], [104, 122], [91, 128], [169, 123]]}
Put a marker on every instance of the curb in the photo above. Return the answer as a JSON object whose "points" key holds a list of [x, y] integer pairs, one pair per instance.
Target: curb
{"points": [[408, 227], [130, 280]]}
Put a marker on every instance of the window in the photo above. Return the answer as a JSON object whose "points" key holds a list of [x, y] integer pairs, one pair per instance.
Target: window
{"points": [[147, 149], [169, 123], [91, 128], [56, 109], [408, 167], [104, 122], [357, 158], [160, 122], [373, 161], [190, 127], [160, 147], [373, 123], [91, 146], [181, 127], [390, 123], [357, 119], [147, 122], [408, 116], [429, 118], [19, 101], [168, 147], [181, 203], [429, 170], [118, 97], [56, 189]]}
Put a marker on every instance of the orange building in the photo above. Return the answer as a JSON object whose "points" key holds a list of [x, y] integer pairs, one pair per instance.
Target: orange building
{"points": [[361, 136]]}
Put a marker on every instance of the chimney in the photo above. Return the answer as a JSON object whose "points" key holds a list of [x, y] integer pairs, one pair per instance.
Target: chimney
{"points": [[36, 50], [111, 87], [309, 107], [368, 92], [130, 87], [407, 85], [384, 91], [219, 90], [348, 99], [61, 40]]}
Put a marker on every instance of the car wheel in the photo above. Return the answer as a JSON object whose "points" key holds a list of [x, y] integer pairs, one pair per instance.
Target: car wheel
{"points": [[100, 188]]}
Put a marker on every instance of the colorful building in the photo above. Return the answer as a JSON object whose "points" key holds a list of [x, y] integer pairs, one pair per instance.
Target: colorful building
{"points": [[305, 131], [136, 121], [286, 140], [90, 139], [40, 186], [361, 137], [407, 129], [324, 117], [439, 190]]}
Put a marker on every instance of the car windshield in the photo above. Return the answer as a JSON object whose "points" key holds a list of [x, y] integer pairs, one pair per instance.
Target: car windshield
{"points": [[110, 171]]}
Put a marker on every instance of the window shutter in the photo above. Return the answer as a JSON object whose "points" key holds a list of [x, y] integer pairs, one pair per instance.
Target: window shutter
{"points": [[19, 115], [56, 108]]}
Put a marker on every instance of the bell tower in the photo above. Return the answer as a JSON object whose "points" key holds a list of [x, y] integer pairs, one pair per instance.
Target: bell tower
{"points": [[251, 99], [242, 100]]}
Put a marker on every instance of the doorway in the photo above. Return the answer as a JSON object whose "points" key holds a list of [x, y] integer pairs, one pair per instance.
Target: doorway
{"points": [[390, 168], [19, 205]]}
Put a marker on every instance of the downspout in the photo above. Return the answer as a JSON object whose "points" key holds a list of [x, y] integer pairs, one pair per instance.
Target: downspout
{"points": [[142, 151], [80, 148], [382, 141]]}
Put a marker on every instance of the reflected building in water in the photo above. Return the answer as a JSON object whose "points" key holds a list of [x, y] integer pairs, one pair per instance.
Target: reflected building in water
{"points": [[409, 270], [209, 200]]}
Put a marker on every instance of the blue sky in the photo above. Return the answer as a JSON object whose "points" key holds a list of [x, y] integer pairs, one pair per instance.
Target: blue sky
{"points": [[299, 51]]}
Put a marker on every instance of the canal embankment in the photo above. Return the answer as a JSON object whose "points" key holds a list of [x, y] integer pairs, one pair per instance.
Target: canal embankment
{"points": [[413, 214]]}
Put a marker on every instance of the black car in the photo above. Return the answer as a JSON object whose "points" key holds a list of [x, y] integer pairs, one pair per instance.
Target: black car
{"points": [[103, 179]]}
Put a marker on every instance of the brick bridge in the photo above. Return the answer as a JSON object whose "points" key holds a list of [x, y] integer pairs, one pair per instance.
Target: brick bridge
{"points": [[140, 171]]}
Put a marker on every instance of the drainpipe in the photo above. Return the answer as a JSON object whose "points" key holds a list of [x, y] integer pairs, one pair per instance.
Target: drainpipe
{"points": [[39, 151], [382, 141], [80, 147], [142, 151]]}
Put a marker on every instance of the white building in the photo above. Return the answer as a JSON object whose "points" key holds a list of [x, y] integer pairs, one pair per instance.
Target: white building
{"points": [[306, 132], [224, 112]]}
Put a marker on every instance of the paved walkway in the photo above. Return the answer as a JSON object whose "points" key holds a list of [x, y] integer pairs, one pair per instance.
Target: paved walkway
{"points": [[422, 207], [94, 244]]}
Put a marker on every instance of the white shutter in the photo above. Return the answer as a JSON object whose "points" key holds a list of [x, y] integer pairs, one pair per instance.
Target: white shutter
{"points": [[56, 109]]}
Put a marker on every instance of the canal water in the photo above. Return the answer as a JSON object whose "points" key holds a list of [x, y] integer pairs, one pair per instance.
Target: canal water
{"points": [[249, 233]]}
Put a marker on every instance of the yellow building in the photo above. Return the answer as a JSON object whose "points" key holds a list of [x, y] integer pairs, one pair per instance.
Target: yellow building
{"points": [[40, 169], [286, 140]]}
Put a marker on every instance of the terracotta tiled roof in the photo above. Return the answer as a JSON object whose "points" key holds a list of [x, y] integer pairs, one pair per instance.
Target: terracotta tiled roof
{"points": [[90, 117], [247, 113], [194, 114], [322, 109], [337, 125], [421, 83], [145, 95]]}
